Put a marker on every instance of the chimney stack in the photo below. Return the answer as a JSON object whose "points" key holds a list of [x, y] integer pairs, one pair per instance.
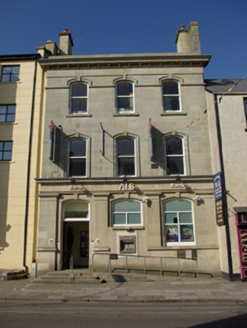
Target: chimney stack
{"points": [[65, 43], [188, 40], [51, 47]]}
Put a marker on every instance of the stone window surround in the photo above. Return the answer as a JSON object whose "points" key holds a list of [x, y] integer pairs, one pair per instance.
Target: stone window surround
{"points": [[174, 244], [179, 81], [137, 152], [187, 169], [126, 224], [88, 153]]}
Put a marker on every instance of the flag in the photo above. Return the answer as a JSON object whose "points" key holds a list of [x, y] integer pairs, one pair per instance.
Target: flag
{"points": [[151, 139], [51, 145]]}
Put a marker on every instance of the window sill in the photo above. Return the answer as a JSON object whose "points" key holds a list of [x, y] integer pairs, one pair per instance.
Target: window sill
{"points": [[126, 114], [79, 115], [8, 123], [7, 162], [13, 82], [173, 114], [128, 228], [101, 249]]}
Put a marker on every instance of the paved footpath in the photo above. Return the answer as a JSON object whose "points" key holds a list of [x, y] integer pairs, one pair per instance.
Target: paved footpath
{"points": [[169, 290]]}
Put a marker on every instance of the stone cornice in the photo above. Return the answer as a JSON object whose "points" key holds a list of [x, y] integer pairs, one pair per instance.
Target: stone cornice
{"points": [[125, 60], [180, 180]]}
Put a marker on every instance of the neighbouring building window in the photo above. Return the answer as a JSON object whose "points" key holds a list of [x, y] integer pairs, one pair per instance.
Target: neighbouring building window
{"points": [[178, 221], [6, 150], [7, 113], [126, 212], [174, 156], [125, 97], [126, 157], [171, 98], [77, 157], [79, 98], [10, 73], [245, 108]]}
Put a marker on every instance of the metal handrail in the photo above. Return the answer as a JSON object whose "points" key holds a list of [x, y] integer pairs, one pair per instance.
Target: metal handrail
{"points": [[116, 256]]}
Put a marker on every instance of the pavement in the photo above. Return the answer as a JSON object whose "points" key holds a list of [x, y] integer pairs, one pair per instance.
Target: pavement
{"points": [[200, 290]]}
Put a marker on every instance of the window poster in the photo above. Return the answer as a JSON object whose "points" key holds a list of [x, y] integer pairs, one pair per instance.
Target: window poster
{"points": [[172, 233], [243, 245], [243, 252], [187, 232]]}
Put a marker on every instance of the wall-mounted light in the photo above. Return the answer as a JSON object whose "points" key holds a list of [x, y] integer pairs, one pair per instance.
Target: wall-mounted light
{"points": [[197, 199], [145, 200]]}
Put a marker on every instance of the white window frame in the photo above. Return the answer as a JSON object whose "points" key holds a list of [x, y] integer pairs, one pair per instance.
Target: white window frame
{"points": [[126, 213], [125, 111], [78, 97], [171, 96], [80, 157], [72, 219], [127, 156], [175, 155], [178, 224]]}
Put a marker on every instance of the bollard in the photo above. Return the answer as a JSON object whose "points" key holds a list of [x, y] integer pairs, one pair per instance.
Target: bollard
{"points": [[71, 264]]}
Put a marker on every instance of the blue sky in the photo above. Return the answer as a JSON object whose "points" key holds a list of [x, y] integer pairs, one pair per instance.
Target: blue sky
{"points": [[130, 26]]}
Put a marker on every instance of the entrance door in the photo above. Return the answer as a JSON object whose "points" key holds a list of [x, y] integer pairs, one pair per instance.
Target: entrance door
{"points": [[76, 235], [76, 243]]}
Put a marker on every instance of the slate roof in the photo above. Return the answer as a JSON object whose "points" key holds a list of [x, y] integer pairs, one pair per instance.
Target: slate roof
{"points": [[222, 86]]}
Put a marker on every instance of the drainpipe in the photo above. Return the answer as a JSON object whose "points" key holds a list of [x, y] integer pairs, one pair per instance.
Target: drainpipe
{"points": [[225, 206], [28, 168]]}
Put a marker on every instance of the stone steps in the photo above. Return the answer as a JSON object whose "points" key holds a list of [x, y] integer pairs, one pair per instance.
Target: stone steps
{"points": [[76, 277], [87, 277], [13, 275]]}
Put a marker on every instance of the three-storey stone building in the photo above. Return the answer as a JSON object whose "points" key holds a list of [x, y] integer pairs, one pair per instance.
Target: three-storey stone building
{"points": [[123, 170]]}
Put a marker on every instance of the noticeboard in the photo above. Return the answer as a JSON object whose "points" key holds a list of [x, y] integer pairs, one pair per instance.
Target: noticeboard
{"points": [[243, 252], [219, 212], [218, 199]]}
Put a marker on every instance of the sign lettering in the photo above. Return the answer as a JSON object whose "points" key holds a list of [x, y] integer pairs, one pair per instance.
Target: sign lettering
{"points": [[127, 186], [78, 187]]}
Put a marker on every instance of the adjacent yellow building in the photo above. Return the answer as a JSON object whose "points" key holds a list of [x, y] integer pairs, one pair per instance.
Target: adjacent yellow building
{"points": [[20, 117]]}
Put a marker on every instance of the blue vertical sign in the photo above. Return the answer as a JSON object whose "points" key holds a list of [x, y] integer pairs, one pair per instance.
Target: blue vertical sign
{"points": [[217, 186]]}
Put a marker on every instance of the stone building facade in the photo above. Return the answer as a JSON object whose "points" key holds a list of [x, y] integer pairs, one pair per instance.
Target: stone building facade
{"points": [[122, 171]]}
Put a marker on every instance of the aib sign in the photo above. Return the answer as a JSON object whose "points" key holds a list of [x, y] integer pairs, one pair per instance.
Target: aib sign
{"points": [[217, 186]]}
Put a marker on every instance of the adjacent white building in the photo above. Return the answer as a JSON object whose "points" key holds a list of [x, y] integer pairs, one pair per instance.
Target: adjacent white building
{"points": [[227, 114]]}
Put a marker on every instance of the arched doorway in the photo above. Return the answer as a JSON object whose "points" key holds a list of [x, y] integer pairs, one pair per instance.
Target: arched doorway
{"points": [[76, 234]]}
